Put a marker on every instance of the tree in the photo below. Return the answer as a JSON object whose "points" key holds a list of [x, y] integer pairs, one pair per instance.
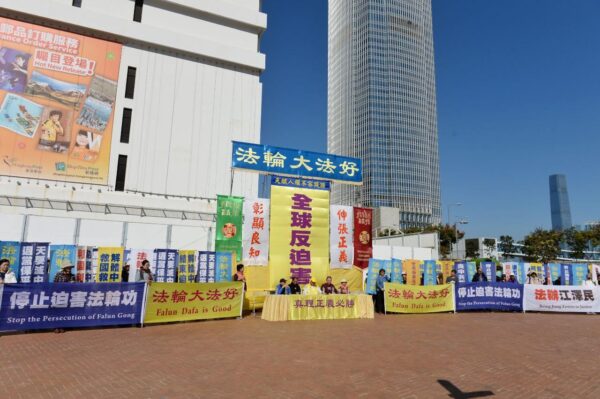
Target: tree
{"points": [[489, 245], [471, 248], [507, 246], [542, 245], [448, 235], [577, 241]]}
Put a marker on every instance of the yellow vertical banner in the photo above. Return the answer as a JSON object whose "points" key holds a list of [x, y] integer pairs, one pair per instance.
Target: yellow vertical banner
{"points": [[445, 267], [412, 268], [299, 237], [110, 263]]}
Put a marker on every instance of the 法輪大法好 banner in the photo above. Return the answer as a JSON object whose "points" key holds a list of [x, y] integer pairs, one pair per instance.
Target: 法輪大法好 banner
{"points": [[489, 295], [561, 298], [229, 225], [168, 302], [299, 230], [400, 298], [65, 305], [297, 163]]}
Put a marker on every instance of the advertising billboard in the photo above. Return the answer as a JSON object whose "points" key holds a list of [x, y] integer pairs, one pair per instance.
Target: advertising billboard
{"points": [[57, 100]]}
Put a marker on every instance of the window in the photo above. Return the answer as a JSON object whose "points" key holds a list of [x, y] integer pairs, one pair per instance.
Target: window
{"points": [[77, 3], [130, 83], [137, 10], [121, 170], [125, 125]]}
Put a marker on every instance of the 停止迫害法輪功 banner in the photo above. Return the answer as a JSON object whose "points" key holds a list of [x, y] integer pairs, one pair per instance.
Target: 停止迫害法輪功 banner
{"points": [[487, 295], [400, 298], [168, 302], [296, 163], [66, 305], [561, 298], [57, 102]]}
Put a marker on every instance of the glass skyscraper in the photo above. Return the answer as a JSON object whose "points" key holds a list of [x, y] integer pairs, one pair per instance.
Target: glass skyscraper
{"points": [[560, 209], [382, 105]]}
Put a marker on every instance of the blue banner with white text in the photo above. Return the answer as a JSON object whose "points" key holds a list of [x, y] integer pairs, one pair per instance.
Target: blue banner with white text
{"points": [[296, 163], [67, 305], [489, 296], [62, 255]]}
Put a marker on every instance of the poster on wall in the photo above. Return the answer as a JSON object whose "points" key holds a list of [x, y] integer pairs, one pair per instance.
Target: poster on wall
{"points": [[57, 96]]}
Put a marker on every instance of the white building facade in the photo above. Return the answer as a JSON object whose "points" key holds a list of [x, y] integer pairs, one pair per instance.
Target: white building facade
{"points": [[188, 85], [382, 105]]}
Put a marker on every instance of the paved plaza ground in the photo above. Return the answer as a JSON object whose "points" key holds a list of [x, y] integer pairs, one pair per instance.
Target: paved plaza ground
{"points": [[512, 355]]}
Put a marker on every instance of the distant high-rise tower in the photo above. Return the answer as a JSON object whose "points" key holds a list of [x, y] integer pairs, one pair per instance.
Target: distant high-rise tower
{"points": [[382, 105], [559, 203]]}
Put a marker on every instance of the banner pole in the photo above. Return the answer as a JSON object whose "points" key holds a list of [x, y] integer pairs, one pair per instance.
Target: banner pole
{"points": [[453, 296], [143, 313], [384, 300], [242, 304]]}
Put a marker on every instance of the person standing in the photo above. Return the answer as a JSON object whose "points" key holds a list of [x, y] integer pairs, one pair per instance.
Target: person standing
{"points": [[380, 289], [328, 288], [125, 274], [7, 276], [239, 275], [145, 274], [295, 287], [588, 282], [479, 276], [65, 275], [452, 277]]}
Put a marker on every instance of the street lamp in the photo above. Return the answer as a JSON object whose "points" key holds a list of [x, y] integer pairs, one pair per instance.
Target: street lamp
{"points": [[461, 221], [449, 207]]}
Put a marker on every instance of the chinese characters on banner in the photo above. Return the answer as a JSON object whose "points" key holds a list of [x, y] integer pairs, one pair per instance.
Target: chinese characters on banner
{"points": [[579, 273], [224, 266], [186, 268], [396, 274], [110, 263], [256, 232], [207, 262], [299, 241], [166, 265], [374, 266], [297, 163], [489, 269], [229, 225], [11, 250], [341, 236], [34, 262], [62, 255], [419, 299], [64, 305], [413, 269], [192, 301], [135, 259], [84, 269], [569, 298], [57, 96], [363, 242], [515, 269], [445, 267], [323, 307], [489, 295], [465, 271], [429, 272]]}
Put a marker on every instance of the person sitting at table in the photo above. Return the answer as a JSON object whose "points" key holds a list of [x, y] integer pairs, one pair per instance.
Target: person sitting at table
{"points": [[328, 288], [295, 287], [282, 288], [344, 289], [311, 288]]}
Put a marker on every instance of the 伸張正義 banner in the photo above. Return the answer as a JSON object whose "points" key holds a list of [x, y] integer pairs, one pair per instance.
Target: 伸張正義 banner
{"points": [[67, 305], [288, 162], [489, 296]]}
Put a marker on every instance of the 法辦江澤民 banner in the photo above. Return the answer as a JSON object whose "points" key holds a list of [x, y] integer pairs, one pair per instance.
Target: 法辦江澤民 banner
{"points": [[400, 298], [168, 302], [561, 298]]}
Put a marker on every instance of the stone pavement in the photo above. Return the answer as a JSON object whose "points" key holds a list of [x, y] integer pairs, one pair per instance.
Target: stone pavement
{"points": [[512, 355]]}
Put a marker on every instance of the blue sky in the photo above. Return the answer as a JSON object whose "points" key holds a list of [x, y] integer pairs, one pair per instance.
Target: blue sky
{"points": [[518, 93]]}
